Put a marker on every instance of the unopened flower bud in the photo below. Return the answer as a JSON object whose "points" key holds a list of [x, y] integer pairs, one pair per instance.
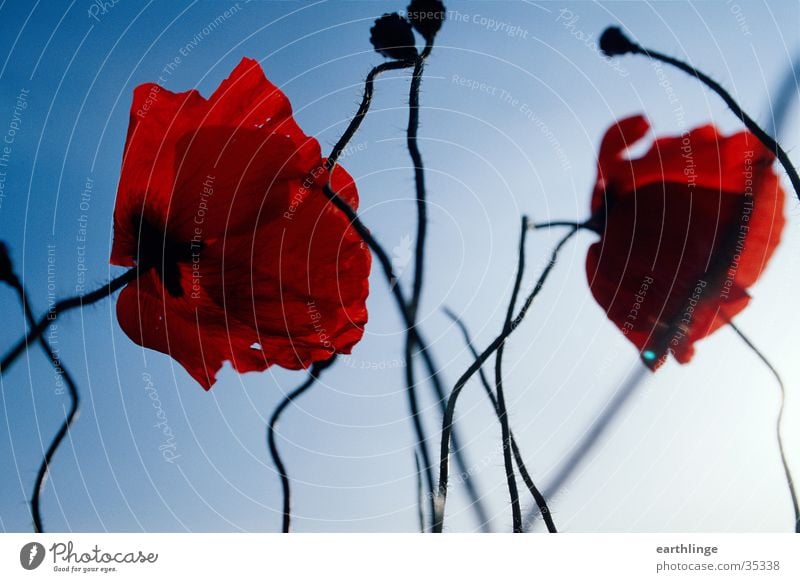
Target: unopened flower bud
{"points": [[427, 17], [393, 37], [613, 42]]}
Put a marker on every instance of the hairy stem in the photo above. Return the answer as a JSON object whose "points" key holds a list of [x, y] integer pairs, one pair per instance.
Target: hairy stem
{"points": [[419, 182], [538, 497], [420, 492], [778, 424], [516, 512], [62, 307], [409, 317], [69, 420], [313, 376], [766, 139], [557, 223], [402, 305], [366, 100], [419, 255], [590, 439], [447, 421]]}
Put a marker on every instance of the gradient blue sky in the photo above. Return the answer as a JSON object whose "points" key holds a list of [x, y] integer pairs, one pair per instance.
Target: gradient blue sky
{"points": [[693, 449]]}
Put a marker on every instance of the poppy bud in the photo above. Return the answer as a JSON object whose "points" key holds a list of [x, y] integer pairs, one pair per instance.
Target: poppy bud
{"points": [[613, 42], [6, 268], [426, 16], [393, 37]]}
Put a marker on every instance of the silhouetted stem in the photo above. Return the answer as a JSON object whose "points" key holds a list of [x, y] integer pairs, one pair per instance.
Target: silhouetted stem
{"points": [[386, 265], [476, 501], [447, 421], [63, 306], [419, 181], [313, 376], [420, 492], [779, 423], [72, 415], [541, 503], [416, 417], [590, 439], [397, 293], [413, 304], [766, 139], [383, 258], [516, 512], [366, 100], [556, 223]]}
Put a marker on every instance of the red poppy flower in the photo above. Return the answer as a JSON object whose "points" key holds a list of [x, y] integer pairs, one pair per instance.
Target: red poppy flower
{"points": [[685, 230], [220, 204]]}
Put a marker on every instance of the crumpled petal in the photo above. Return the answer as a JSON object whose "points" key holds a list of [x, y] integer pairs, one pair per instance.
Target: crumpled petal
{"points": [[263, 269], [686, 229]]}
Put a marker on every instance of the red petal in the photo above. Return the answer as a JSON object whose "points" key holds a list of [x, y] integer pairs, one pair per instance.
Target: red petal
{"points": [[276, 274], [677, 256]]}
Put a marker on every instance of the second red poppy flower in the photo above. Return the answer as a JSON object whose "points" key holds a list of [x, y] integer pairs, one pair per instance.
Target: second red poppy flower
{"points": [[685, 230]]}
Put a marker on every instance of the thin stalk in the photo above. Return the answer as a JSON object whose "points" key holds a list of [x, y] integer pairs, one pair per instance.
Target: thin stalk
{"points": [[313, 376], [62, 307], [416, 417], [447, 421], [419, 255], [385, 261], [591, 438], [72, 415], [419, 182], [556, 223], [516, 512], [400, 300], [476, 501], [366, 100], [779, 422], [420, 492], [523, 470], [766, 139]]}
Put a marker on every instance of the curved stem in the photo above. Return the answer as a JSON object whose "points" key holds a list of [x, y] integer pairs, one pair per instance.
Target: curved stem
{"points": [[419, 181], [590, 439], [397, 292], [419, 271], [538, 497], [72, 415], [402, 305], [366, 100], [313, 376], [516, 512], [413, 304], [386, 264], [779, 423], [416, 417], [420, 492], [63, 306], [557, 223], [476, 502], [447, 421], [748, 121]]}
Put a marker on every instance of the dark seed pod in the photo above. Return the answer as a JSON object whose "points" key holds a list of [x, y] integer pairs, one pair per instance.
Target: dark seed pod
{"points": [[393, 37], [427, 17], [613, 42]]}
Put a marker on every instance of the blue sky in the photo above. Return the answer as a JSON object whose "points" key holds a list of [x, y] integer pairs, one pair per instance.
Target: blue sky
{"points": [[515, 100]]}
